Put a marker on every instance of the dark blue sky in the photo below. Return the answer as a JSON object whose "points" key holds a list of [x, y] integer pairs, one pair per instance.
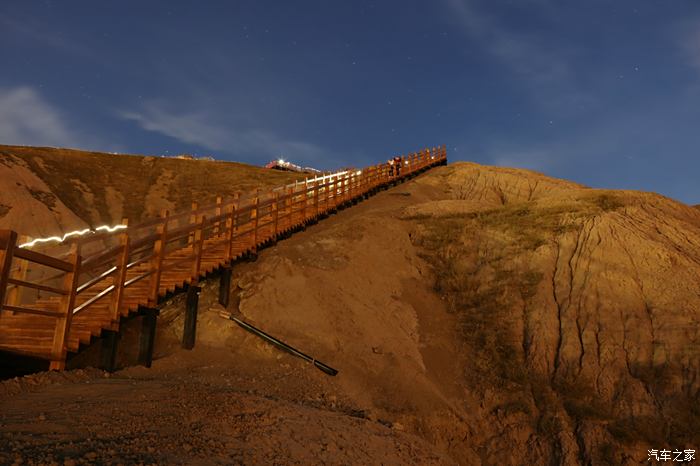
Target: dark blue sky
{"points": [[601, 92]]}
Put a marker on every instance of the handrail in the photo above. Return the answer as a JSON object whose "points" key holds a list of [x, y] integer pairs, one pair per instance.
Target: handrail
{"points": [[42, 259], [99, 258], [224, 228], [97, 297], [36, 286], [97, 279]]}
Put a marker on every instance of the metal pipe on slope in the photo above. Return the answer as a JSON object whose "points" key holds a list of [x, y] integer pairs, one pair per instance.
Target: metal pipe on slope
{"points": [[280, 344]]}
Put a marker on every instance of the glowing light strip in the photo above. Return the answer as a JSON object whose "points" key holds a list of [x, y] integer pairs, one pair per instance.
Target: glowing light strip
{"points": [[322, 178], [72, 233]]}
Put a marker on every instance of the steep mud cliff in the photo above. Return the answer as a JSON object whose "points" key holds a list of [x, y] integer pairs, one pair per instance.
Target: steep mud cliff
{"points": [[580, 310]]}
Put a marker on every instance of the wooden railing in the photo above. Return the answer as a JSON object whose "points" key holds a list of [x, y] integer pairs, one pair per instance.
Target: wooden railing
{"points": [[141, 255]]}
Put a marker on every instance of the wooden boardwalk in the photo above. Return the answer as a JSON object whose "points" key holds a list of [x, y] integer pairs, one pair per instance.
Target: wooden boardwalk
{"points": [[97, 280]]}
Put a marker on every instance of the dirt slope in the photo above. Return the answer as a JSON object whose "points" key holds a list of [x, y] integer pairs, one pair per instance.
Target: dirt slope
{"points": [[481, 315], [579, 308], [46, 191]]}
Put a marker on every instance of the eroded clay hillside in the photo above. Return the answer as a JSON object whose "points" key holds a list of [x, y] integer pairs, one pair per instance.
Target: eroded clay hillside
{"points": [[580, 310], [46, 191], [505, 316]]}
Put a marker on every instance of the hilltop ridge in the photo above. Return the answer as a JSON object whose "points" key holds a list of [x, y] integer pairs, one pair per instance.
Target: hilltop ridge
{"points": [[44, 191]]}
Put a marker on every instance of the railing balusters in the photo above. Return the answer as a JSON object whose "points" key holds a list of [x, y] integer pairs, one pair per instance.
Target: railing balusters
{"points": [[316, 198], [304, 200], [157, 259], [120, 275], [254, 218], [193, 220], [198, 248], [219, 210], [276, 215], [231, 230]]}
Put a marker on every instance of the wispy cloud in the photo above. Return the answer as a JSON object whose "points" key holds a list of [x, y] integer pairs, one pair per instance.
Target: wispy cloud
{"points": [[542, 67], [27, 119], [689, 41], [31, 30], [206, 130], [521, 52]]}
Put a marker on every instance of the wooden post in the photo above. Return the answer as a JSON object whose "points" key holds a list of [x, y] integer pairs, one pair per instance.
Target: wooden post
{"points": [[108, 350], [230, 229], [289, 203], [343, 188], [219, 210], [316, 197], [334, 201], [305, 200], [198, 246], [157, 259], [254, 218], [354, 187], [8, 242], [14, 294], [70, 285], [191, 306], [117, 298], [338, 191], [233, 232], [149, 321], [276, 215], [193, 220], [225, 286]]}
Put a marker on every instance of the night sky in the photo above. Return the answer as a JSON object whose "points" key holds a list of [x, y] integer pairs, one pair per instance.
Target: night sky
{"points": [[606, 93]]}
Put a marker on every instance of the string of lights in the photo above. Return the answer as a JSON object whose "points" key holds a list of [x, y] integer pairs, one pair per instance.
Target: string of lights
{"points": [[60, 239]]}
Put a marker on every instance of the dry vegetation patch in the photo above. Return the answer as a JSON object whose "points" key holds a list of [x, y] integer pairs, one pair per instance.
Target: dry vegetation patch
{"points": [[70, 174]]}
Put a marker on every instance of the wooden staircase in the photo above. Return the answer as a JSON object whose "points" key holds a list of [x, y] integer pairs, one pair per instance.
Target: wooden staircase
{"points": [[138, 266]]}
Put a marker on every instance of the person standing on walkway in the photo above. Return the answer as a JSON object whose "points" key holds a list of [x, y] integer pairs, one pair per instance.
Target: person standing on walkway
{"points": [[397, 165]]}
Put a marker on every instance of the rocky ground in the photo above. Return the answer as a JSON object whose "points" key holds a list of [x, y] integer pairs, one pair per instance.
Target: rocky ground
{"points": [[200, 407], [476, 315]]}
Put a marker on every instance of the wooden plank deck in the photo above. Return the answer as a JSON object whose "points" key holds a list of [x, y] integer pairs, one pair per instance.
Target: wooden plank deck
{"points": [[171, 257]]}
